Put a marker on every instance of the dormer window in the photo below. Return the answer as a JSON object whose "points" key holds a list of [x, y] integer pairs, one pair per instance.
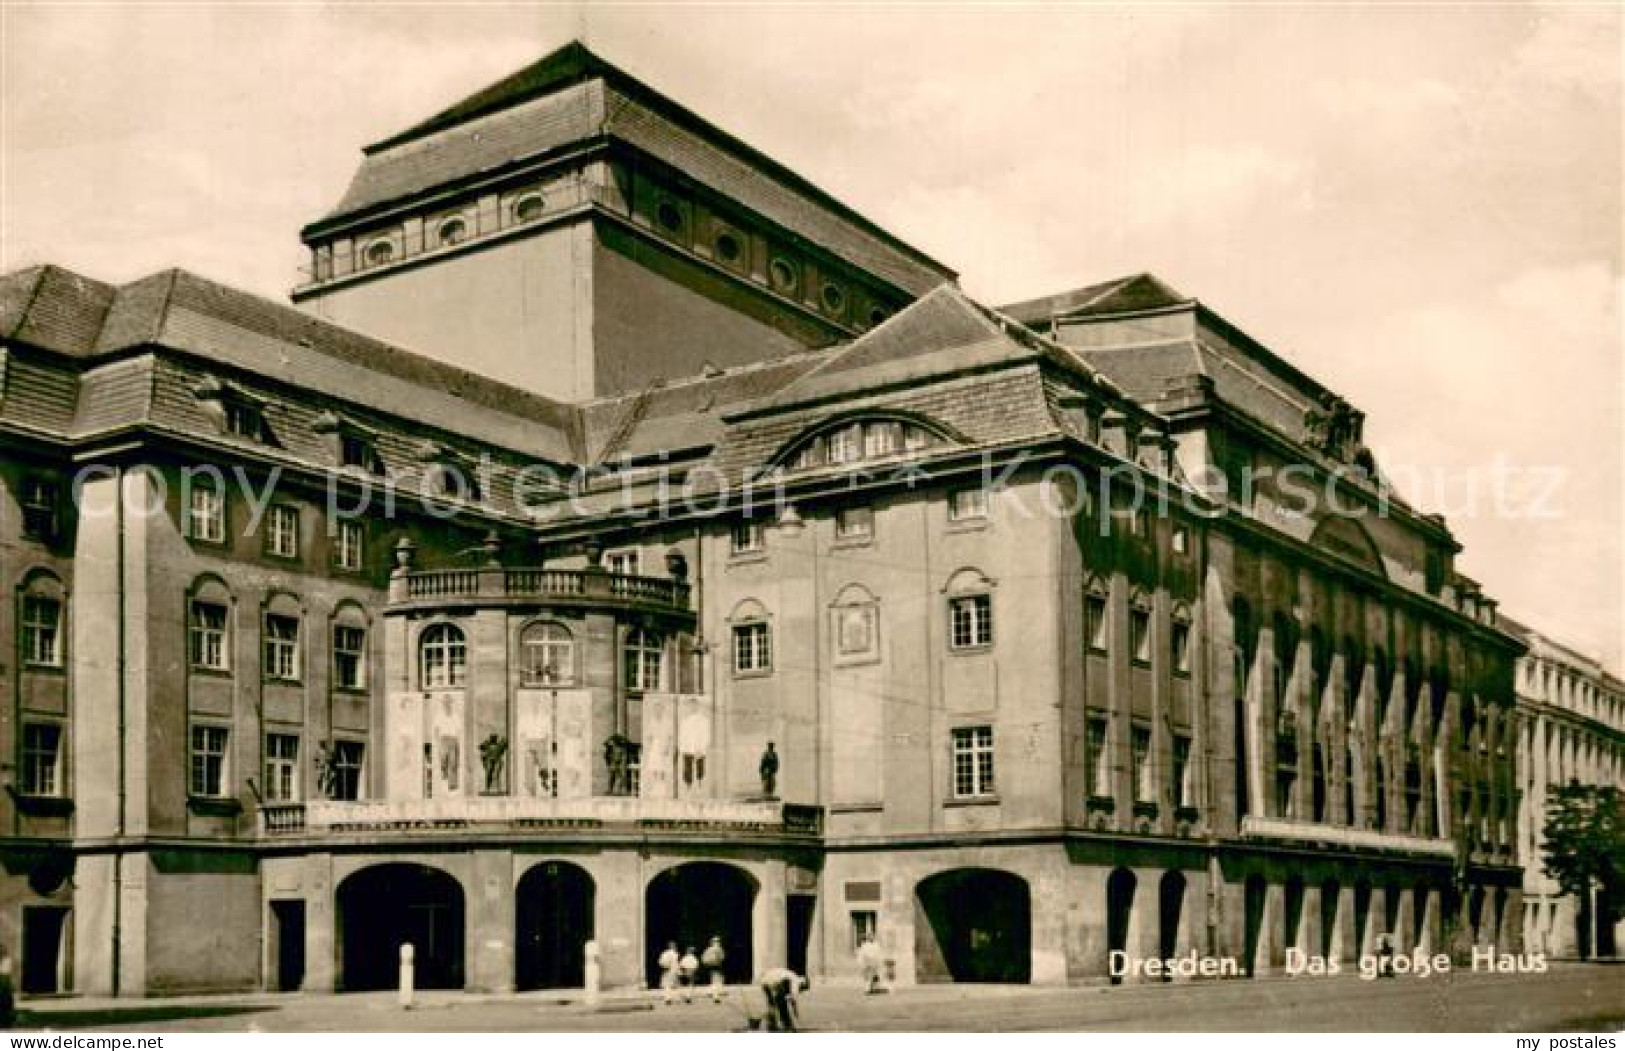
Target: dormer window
{"points": [[356, 450], [729, 247], [855, 442], [243, 419], [833, 298], [782, 274]]}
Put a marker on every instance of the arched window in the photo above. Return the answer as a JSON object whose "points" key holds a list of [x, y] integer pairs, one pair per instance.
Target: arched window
{"points": [[380, 252], [860, 440], [970, 611], [528, 208], [547, 655], [643, 660], [442, 657], [452, 231], [42, 620], [855, 627]]}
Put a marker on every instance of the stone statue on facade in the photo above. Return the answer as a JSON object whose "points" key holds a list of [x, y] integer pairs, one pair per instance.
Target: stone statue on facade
{"points": [[493, 757], [617, 758], [769, 769]]}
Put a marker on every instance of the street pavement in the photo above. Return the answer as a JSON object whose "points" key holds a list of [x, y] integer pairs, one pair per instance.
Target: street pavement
{"points": [[1569, 998]]}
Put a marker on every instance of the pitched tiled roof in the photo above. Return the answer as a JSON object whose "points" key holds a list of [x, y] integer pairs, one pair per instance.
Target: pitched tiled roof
{"points": [[571, 97], [53, 308]]}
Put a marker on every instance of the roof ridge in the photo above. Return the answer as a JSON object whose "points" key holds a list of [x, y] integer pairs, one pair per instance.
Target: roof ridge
{"points": [[33, 297]]}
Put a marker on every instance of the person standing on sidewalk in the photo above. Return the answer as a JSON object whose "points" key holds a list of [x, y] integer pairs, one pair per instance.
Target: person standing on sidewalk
{"points": [[713, 959], [869, 963], [668, 962], [688, 968]]}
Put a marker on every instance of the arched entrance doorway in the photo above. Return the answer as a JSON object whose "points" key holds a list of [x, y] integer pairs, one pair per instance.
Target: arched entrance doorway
{"points": [[693, 902], [1120, 888], [553, 921], [1254, 895], [384, 905], [973, 925], [1170, 909]]}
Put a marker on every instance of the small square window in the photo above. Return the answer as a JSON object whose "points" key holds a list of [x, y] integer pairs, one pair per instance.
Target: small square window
{"points": [[973, 762], [282, 531], [753, 648], [356, 450], [749, 536], [967, 505], [39, 499], [854, 523], [350, 546], [244, 420], [970, 620]]}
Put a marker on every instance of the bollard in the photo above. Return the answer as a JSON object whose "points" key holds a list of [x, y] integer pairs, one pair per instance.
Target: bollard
{"points": [[594, 971], [407, 954]]}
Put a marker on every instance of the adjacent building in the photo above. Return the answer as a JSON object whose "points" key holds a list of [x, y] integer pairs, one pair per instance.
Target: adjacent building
{"points": [[1571, 730], [679, 554]]}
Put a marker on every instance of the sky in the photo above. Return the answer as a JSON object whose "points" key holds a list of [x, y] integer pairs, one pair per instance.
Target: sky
{"points": [[1420, 205]]}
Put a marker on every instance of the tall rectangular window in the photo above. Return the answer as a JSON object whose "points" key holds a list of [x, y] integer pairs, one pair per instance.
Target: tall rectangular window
{"points": [[42, 759], [205, 512], [1183, 796], [281, 767], [347, 769], [1100, 767], [1094, 622], [42, 631], [1180, 642], [349, 657], [966, 505], [753, 648], [626, 563], [865, 928], [209, 761], [281, 647], [209, 636], [846, 444], [39, 499], [282, 531], [970, 621], [1139, 629], [1145, 789], [973, 762], [349, 546]]}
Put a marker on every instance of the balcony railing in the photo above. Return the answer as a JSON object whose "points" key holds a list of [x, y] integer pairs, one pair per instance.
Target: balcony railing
{"points": [[1287, 829], [464, 585], [519, 813]]}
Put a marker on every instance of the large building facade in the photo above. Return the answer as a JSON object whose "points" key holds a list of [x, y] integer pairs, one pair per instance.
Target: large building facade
{"points": [[1571, 730], [709, 565]]}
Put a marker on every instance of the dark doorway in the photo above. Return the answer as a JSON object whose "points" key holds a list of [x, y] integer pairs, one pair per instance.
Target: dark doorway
{"points": [[1293, 906], [693, 902], [1254, 893], [1330, 891], [42, 948], [1120, 887], [288, 944], [798, 919], [1362, 917], [1170, 907], [553, 909], [978, 927], [381, 907]]}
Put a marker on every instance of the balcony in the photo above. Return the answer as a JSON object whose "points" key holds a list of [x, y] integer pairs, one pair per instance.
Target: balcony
{"points": [[1316, 834], [498, 814], [498, 586]]}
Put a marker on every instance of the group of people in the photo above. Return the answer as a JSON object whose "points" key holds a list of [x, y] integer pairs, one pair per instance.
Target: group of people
{"points": [[680, 973]]}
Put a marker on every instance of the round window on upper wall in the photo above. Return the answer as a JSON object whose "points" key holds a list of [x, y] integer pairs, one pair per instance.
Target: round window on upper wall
{"points": [[877, 315], [528, 208], [452, 231], [833, 298], [782, 273], [379, 253], [730, 249], [670, 217]]}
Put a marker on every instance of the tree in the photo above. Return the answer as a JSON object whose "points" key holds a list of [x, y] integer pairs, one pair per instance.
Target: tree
{"points": [[1585, 850]]}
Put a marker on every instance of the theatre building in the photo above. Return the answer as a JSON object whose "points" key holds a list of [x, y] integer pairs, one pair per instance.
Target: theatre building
{"points": [[621, 540]]}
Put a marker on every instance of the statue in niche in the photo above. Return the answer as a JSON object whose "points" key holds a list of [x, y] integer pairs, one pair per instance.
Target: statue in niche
{"points": [[326, 776], [493, 757], [617, 758]]}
